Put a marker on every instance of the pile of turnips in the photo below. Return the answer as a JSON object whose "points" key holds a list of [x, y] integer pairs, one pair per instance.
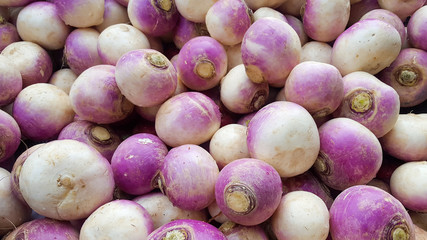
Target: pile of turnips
{"points": [[213, 119]]}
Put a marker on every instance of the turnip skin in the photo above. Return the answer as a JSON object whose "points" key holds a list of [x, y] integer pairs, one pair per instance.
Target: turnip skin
{"points": [[350, 154], [216, 213], [301, 215], [118, 219], [194, 10], [369, 45], [186, 30], [248, 191], [367, 212], [228, 20], [34, 112], [264, 12], [136, 161], [31, 25], [408, 76], [201, 63], [187, 118], [284, 135], [44, 228], [188, 176], [324, 20], [235, 231], [316, 51], [96, 97], [407, 139], [11, 136], [318, 87], [186, 229], [114, 13], [32, 61], [118, 39], [155, 18], [266, 60], [298, 26], [145, 77], [416, 29], [162, 210], [407, 185], [8, 34], [101, 137], [403, 9], [63, 79], [12, 211], [370, 102], [81, 13], [80, 181]]}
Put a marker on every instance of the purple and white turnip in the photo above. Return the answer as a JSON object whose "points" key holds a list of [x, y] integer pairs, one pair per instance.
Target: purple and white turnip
{"points": [[186, 229], [80, 13], [10, 81]]}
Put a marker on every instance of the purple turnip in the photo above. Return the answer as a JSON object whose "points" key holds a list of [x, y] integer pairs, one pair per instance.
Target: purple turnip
{"points": [[11, 136], [284, 135], [301, 215], [186, 229], [10, 81], [114, 13], [235, 231], [367, 212], [186, 30], [248, 191], [42, 110], [188, 176], [416, 29], [370, 102], [201, 63], [266, 60], [316, 86], [187, 118], [145, 77], [298, 26], [81, 13], [350, 154], [8, 33], [264, 12]]}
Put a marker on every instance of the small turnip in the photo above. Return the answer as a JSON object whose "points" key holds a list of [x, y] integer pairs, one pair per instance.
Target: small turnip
{"points": [[316, 51], [80, 13], [10, 81], [63, 78], [8, 33], [114, 13]]}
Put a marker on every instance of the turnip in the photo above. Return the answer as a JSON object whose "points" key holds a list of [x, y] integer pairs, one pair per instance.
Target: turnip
{"points": [[8, 33], [162, 210], [188, 176], [42, 110], [118, 219], [11, 136], [324, 20], [63, 78], [187, 118], [316, 51], [114, 13], [228, 20], [44, 228], [118, 39], [31, 25], [388, 17], [12, 212], [307, 181], [145, 77], [298, 26], [292, 7], [66, 180], [266, 60], [186, 30], [264, 12], [216, 213], [241, 95], [235, 231], [255, 4], [186, 229], [10, 81], [367, 212], [248, 191], [81, 13], [416, 29], [80, 51], [229, 144], [316, 86], [155, 18], [350, 154], [284, 135], [369, 45], [407, 140], [370, 102], [194, 10], [403, 9], [136, 161], [101, 137], [357, 10], [32, 61], [201, 63], [408, 76], [301, 215], [407, 185], [96, 97]]}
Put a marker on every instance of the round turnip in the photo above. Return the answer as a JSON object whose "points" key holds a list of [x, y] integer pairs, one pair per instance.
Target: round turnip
{"points": [[349, 154], [63, 78], [416, 31], [186, 229], [298, 26], [264, 12], [114, 13], [81, 13], [11, 136], [316, 51], [194, 10], [8, 33], [235, 231], [234, 56], [402, 8], [66, 180], [186, 30], [10, 81], [284, 135]]}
